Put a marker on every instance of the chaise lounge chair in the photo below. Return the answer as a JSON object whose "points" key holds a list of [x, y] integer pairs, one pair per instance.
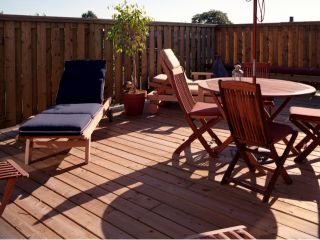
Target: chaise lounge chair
{"points": [[163, 91], [80, 105]]}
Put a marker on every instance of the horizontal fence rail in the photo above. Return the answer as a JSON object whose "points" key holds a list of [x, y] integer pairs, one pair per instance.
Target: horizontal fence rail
{"points": [[33, 51]]}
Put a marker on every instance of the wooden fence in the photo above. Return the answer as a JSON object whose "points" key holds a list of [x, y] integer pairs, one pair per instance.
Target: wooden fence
{"points": [[33, 50]]}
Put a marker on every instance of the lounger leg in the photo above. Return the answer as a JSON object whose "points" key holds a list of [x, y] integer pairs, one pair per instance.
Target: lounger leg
{"points": [[7, 193], [87, 150], [28, 151]]}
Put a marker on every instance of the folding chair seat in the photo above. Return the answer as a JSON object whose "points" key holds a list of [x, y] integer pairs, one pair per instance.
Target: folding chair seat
{"points": [[251, 131], [80, 105], [308, 121], [10, 172], [208, 114]]}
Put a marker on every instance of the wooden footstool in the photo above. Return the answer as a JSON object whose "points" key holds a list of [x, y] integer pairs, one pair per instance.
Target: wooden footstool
{"points": [[9, 171]]}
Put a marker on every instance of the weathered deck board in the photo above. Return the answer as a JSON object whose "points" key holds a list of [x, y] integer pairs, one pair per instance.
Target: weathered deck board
{"points": [[132, 188]]}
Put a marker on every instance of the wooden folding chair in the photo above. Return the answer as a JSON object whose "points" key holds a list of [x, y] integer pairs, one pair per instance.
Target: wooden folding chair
{"points": [[262, 71], [308, 121], [243, 107], [208, 114], [10, 172]]}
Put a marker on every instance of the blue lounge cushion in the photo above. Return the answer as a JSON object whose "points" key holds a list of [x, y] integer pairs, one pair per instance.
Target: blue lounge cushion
{"points": [[55, 125], [82, 82], [81, 108]]}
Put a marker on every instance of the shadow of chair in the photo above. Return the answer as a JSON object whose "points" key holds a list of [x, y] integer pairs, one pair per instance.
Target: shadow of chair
{"points": [[243, 106], [80, 105], [308, 121]]}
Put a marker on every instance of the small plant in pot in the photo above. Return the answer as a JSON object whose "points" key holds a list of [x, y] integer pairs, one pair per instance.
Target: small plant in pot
{"points": [[129, 33]]}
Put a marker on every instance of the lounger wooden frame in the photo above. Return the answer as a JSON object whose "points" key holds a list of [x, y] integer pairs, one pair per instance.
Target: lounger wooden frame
{"points": [[84, 140]]}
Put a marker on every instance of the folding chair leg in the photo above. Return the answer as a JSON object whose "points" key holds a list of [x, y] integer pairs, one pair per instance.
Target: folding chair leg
{"points": [[7, 193], [307, 151]]}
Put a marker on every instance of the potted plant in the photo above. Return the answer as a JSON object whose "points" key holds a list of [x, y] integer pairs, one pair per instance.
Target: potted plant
{"points": [[128, 34]]}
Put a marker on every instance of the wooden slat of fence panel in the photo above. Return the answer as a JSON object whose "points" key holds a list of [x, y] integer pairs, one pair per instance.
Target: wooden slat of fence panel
{"points": [[144, 67], [193, 50], [175, 41], [9, 72], [204, 49], [108, 55], [94, 41], [34, 68], [151, 54], [167, 36], [2, 83], [198, 49], [318, 46], [48, 64], [275, 46], [301, 47], [68, 42], [182, 45], [41, 67], [235, 56], [81, 41], [311, 50], [159, 47], [284, 39], [212, 43], [290, 47], [56, 53], [118, 78], [18, 69], [187, 51]]}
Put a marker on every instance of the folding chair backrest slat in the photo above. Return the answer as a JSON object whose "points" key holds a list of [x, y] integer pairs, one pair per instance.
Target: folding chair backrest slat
{"points": [[243, 107], [262, 70]]}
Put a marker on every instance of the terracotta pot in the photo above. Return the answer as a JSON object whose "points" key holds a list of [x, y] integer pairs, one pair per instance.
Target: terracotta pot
{"points": [[134, 102]]}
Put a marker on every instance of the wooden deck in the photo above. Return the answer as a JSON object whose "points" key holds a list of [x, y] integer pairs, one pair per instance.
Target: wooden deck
{"points": [[132, 188]]}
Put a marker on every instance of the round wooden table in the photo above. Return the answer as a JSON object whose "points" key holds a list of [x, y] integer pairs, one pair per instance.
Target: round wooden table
{"points": [[269, 88]]}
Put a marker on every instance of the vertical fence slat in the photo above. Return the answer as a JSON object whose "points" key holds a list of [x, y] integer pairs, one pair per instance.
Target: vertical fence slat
{"points": [[41, 67], [26, 80], [9, 72], [2, 84], [55, 60], [151, 54], [109, 86], [118, 77], [182, 46], [81, 41], [159, 47]]}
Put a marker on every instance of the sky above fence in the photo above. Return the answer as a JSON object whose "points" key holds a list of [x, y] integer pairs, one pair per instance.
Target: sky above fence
{"points": [[238, 11]]}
